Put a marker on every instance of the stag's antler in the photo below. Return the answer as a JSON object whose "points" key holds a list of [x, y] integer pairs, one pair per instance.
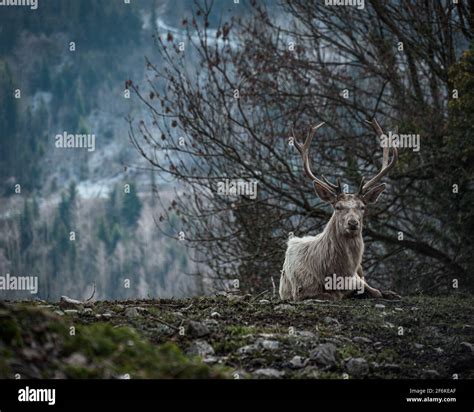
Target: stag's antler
{"points": [[386, 166], [304, 151]]}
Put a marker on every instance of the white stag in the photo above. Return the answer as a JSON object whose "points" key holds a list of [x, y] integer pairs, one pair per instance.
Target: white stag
{"points": [[328, 266]]}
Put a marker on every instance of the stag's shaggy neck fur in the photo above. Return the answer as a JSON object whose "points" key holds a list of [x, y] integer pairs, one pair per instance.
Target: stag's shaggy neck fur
{"points": [[311, 259], [344, 251]]}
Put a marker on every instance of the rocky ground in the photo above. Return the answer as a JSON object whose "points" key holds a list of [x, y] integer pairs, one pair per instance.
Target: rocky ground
{"points": [[235, 336]]}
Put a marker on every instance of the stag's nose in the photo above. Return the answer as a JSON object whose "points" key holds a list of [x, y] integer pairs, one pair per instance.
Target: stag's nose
{"points": [[353, 224]]}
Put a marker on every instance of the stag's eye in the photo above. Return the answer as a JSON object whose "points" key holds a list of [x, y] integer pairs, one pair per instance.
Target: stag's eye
{"points": [[338, 207], [362, 207]]}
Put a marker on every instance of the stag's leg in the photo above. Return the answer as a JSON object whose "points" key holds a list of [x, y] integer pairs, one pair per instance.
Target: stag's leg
{"points": [[363, 285], [389, 294], [386, 294]]}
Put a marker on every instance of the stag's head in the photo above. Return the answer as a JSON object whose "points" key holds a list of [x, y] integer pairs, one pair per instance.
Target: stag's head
{"points": [[348, 208]]}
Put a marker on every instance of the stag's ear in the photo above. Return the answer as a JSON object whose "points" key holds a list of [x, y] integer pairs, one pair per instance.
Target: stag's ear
{"points": [[372, 195], [323, 193]]}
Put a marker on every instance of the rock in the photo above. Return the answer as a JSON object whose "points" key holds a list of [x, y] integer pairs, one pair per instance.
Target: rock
{"points": [[211, 359], [439, 350], [268, 344], [432, 331], [131, 312], [392, 367], [59, 312], [164, 329], [260, 344], [324, 354], [76, 359], [200, 348], [196, 329], [430, 374], [31, 354], [71, 311], [379, 306], [107, 315], [357, 367], [399, 309], [418, 346], [178, 314], [328, 320], [87, 311], [284, 308], [267, 335], [361, 339], [269, 373], [68, 303], [467, 347], [264, 301], [211, 323], [298, 362], [235, 298], [305, 334], [339, 338], [215, 315], [248, 349]]}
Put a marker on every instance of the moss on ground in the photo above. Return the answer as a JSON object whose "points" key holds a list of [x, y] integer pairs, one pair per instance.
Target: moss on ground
{"points": [[38, 344]]}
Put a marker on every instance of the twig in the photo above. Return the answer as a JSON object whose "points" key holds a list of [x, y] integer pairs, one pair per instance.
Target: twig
{"points": [[260, 294], [93, 293], [187, 307], [273, 284], [163, 322]]}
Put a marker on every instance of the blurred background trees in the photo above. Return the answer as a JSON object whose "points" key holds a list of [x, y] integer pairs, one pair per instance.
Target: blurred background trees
{"points": [[65, 215]]}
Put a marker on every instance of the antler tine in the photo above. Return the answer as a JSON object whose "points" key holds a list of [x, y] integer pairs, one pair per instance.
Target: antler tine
{"points": [[386, 166], [361, 185], [304, 151], [336, 187]]}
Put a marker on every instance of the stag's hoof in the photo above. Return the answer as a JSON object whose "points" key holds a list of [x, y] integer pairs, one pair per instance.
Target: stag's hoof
{"points": [[376, 293], [389, 294]]}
